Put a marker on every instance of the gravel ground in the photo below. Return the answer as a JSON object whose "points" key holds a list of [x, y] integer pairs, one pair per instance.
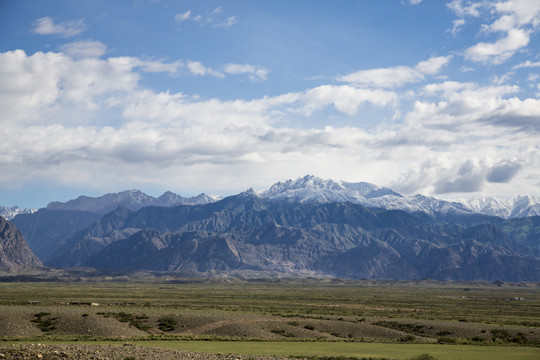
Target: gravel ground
{"points": [[110, 352]]}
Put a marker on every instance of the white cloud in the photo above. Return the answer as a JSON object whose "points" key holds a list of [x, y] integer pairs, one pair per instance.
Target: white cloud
{"points": [[28, 83], [513, 22], [463, 104], [457, 24], [533, 77], [229, 21], [526, 64], [458, 137], [500, 50], [468, 8], [415, 2], [197, 68], [433, 65], [384, 77], [182, 16], [214, 18], [46, 26], [153, 66], [345, 98], [396, 76], [86, 48], [255, 72]]}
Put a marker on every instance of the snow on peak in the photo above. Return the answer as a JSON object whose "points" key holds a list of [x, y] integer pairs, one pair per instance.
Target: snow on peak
{"points": [[311, 188], [9, 213]]}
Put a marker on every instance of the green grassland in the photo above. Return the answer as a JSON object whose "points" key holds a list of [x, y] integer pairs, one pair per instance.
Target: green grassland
{"points": [[357, 350], [385, 319]]}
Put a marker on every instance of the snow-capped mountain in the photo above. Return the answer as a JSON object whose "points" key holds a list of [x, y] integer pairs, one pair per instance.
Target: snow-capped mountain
{"points": [[521, 206], [9, 213], [314, 189], [132, 199]]}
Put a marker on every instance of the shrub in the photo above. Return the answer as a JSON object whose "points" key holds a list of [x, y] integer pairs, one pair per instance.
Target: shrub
{"points": [[167, 323], [407, 338], [423, 357], [446, 340], [44, 322]]}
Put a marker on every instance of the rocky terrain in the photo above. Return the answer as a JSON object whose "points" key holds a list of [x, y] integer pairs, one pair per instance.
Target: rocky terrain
{"points": [[14, 250], [110, 352]]}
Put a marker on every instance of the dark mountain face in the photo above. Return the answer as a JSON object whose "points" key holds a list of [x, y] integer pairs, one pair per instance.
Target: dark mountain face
{"points": [[13, 248], [246, 232], [46, 230]]}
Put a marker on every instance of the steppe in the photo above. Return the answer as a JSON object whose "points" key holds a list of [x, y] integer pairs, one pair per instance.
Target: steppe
{"points": [[123, 318]]}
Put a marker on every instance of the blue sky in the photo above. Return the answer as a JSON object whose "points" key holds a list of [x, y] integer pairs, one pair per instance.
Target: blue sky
{"points": [[433, 97]]}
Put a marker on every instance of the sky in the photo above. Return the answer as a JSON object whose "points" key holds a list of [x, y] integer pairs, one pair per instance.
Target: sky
{"points": [[432, 97]]}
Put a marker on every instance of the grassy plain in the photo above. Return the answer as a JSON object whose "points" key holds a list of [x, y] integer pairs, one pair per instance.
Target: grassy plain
{"points": [[282, 317]]}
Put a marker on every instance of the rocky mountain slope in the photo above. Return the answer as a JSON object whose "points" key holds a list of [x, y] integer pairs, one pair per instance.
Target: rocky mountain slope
{"points": [[343, 239], [46, 230], [13, 248]]}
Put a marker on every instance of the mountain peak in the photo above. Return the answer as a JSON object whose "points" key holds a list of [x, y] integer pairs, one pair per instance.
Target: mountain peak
{"points": [[311, 188], [9, 213], [132, 199]]}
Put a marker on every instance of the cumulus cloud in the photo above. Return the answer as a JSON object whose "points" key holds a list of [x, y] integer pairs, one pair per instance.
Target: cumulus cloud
{"points": [[501, 50], [513, 21], [433, 65], [345, 98], [462, 104], [396, 76], [463, 129], [503, 172], [47, 26], [469, 177]]}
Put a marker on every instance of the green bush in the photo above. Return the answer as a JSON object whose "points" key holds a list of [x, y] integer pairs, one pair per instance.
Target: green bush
{"points": [[167, 323], [44, 322]]}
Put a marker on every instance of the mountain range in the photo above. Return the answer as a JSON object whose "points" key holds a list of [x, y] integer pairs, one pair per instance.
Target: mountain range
{"points": [[303, 227]]}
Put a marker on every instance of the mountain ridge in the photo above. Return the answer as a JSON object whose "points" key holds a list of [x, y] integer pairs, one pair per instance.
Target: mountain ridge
{"points": [[132, 199], [340, 239], [313, 189]]}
